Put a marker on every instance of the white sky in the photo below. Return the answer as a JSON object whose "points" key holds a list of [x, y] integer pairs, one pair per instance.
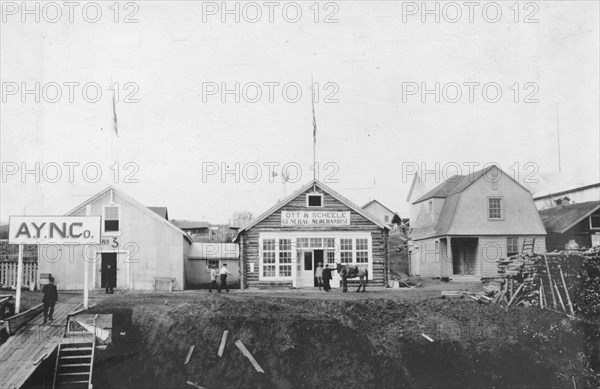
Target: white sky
{"points": [[369, 133]]}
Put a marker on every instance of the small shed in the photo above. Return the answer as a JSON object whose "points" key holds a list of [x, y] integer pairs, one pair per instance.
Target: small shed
{"points": [[204, 255], [573, 224]]}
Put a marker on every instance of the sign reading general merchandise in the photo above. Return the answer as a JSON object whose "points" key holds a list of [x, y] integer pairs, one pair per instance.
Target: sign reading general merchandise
{"points": [[314, 219], [54, 230]]}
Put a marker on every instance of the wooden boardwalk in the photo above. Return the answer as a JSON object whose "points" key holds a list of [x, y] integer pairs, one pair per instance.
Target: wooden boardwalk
{"points": [[22, 353]]}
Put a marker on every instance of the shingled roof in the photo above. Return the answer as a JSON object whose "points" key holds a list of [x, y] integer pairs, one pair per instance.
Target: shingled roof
{"points": [[453, 185], [561, 219]]}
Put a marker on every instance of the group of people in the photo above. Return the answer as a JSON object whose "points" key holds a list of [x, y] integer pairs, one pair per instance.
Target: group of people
{"points": [[323, 276], [222, 275]]}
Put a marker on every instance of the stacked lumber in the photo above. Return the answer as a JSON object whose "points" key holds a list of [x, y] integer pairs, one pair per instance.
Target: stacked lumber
{"points": [[565, 281]]}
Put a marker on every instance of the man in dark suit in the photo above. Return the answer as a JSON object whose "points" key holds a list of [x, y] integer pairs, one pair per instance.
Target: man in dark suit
{"points": [[50, 298], [326, 278]]}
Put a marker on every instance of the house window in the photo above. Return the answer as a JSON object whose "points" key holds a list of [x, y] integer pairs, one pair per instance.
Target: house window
{"points": [[362, 250], [386, 219], [213, 263], [512, 246], [314, 200], [111, 218], [495, 208], [346, 250], [430, 206], [595, 222]]}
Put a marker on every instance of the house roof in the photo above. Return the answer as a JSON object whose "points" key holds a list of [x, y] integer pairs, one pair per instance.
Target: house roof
{"points": [[457, 184], [297, 193], [190, 224], [375, 201], [160, 211], [135, 203], [563, 218], [451, 191], [550, 184], [418, 183]]}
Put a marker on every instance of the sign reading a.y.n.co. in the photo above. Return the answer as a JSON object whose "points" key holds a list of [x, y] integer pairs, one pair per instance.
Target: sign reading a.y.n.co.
{"points": [[54, 229]]}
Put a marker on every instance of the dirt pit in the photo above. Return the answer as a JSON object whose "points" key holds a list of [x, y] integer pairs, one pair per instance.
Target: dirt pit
{"points": [[371, 343]]}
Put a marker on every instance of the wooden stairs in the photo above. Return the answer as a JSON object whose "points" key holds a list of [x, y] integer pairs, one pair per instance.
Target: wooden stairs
{"points": [[75, 360]]}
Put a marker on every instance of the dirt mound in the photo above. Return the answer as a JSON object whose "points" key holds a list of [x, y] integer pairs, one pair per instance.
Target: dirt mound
{"points": [[370, 343]]}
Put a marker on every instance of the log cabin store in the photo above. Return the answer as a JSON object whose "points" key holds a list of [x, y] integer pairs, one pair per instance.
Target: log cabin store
{"points": [[283, 246]]}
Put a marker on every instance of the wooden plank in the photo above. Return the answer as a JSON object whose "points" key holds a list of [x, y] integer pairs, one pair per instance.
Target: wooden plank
{"points": [[189, 355], [223, 341], [550, 280], [194, 385], [515, 295], [245, 351], [559, 296], [562, 276], [21, 319]]}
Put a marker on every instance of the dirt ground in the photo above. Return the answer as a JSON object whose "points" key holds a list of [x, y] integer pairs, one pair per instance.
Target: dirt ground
{"points": [[307, 339]]}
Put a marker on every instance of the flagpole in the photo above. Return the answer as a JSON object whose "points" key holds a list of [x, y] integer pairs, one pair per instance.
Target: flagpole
{"points": [[312, 88]]}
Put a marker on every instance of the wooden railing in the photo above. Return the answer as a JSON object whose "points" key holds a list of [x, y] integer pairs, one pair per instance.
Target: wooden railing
{"points": [[8, 273]]}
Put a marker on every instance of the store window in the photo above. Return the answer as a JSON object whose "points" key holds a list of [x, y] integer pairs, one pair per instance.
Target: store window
{"points": [[314, 200], [277, 258], [346, 250], [362, 250]]}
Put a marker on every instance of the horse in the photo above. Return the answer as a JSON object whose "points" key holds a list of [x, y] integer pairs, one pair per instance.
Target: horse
{"points": [[345, 271]]}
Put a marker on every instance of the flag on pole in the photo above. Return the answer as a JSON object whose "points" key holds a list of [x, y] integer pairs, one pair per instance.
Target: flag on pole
{"points": [[115, 115]]}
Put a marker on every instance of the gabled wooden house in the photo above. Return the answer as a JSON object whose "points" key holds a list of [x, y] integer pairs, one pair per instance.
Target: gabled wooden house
{"points": [[380, 211], [466, 223], [315, 224], [572, 223], [139, 249]]}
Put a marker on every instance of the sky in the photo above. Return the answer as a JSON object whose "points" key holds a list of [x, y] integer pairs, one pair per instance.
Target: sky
{"points": [[506, 78]]}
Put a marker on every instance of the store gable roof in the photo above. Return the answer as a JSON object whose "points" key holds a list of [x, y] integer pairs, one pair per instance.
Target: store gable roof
{"points": [[303, 189]]}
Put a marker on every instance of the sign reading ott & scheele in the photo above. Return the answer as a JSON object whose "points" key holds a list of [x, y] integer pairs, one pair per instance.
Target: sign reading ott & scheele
{"points": [[314, 218]]}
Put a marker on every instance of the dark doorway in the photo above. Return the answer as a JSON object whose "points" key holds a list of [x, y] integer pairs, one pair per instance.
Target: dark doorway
{"points": [[109, 270], [464, 255], [318, 257]]}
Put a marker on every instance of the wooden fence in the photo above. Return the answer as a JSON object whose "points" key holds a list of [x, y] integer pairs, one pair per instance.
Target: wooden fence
{"points": [[8, 273]]}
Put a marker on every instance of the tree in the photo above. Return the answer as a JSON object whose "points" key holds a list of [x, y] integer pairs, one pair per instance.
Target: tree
{"points": [[243, 215]]}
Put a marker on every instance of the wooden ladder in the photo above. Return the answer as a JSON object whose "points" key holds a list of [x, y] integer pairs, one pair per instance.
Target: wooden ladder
{"points": [[528, 245], [75, 360]]}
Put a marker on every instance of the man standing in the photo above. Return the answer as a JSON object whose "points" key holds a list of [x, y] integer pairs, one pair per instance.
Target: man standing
{"points": [[213, 278], [223, 274], [110, 278], [319, 274], [326, 278], [50, 298]]}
